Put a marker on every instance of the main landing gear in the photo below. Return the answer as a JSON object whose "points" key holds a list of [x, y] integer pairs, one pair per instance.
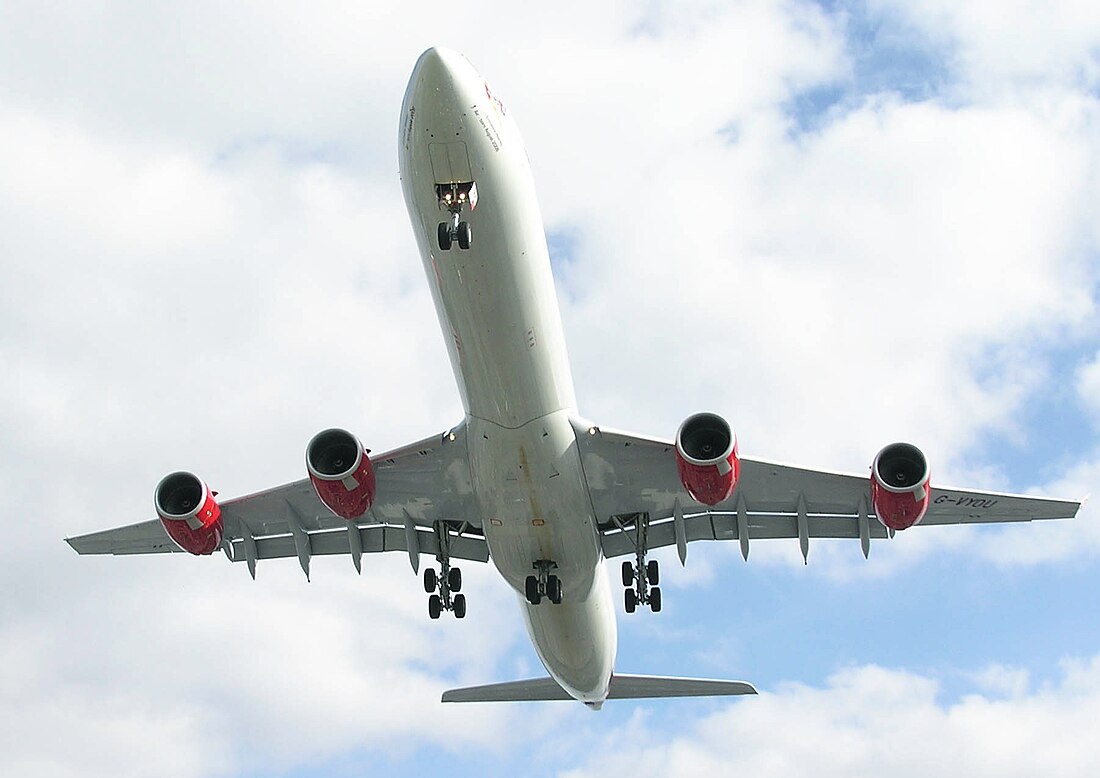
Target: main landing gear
{"points": [[443, 586], [544, 584], [641, 578], [452, 198]]}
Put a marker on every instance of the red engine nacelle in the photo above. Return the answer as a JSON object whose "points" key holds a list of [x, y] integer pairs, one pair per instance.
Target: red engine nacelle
{"points": [[901, 486], [189, 513], [706, 456], [341, 473]]}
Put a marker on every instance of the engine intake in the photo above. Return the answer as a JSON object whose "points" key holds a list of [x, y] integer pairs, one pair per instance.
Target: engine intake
{"points": [[189, 513], [706, 457], [341, 473], [900, 486]]}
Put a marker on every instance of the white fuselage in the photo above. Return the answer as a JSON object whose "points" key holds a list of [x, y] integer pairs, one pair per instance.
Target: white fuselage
{"points": [[499, 314]]}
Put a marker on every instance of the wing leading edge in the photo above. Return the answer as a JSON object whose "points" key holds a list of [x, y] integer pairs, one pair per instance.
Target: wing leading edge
{"points": [[635, 488], [424, 499]]}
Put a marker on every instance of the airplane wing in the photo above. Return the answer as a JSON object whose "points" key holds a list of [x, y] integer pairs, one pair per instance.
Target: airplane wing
{"points": [[424, 498], [632, 476]]}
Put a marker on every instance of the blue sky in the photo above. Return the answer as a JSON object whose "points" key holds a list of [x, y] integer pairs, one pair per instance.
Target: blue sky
{"points": [[871, 221]]}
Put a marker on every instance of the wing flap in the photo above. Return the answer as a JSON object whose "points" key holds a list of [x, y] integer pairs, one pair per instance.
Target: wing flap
{"points": [[722, 525], [373, 539]]}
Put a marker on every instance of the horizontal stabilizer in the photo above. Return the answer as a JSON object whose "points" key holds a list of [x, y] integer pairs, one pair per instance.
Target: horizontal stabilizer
{"points": [[623, 687], [531, 690], [634, 687]]}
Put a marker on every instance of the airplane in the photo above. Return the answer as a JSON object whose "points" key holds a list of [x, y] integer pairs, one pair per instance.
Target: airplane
{"points": [[523, 480]]}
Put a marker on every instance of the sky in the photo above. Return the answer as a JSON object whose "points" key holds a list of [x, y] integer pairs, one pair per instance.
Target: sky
{"points": [[838, 224]]}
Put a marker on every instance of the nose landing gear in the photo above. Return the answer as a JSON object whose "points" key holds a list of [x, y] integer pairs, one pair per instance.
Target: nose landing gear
{"points": [[545, 584], [452, 198]]}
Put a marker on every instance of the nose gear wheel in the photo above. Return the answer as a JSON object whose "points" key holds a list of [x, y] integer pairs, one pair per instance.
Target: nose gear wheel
{"points": [[453, 198]]}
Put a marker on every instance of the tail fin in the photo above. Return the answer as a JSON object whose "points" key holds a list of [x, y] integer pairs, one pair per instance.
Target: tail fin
{"points": [[623, 687]]}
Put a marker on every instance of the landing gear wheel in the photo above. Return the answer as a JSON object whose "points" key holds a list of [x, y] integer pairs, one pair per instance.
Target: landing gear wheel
{"points": [[655, 599], [464, 235], [454, 580], [631, 600], [628, 574], [553, 589], [531, 587], [445, 236], [435, 606], [653, 573], [459, 605], [430, 581]]}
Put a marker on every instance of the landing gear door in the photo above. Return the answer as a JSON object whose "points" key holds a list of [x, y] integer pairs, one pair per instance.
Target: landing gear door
{"points": [[450, 163]]}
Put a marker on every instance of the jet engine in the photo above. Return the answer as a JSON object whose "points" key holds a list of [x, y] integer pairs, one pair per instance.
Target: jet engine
{"points": [[189, 513], [706, 456], [900, 486], [341, 473]]}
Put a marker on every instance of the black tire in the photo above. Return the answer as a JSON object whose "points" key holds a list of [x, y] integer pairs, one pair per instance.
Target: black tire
{"points": [[628, 574], [465, 235], [454, 579], [444, 236], [655, 599], [430, 580], [460, 606], [435, 606], [630, 598], [532, 590], [653, 572], [553, 589]]}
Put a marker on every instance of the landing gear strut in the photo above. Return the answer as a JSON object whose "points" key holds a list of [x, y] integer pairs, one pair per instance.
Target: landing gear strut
{"points": [[452, 198], [641, 577], [544, 584], [443, 586]]}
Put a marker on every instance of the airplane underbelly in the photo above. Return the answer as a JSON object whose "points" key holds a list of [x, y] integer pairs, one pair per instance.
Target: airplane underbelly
{"points": [[495, 299], [463, 165], [535, 506], [534, 503], [577, 641]]}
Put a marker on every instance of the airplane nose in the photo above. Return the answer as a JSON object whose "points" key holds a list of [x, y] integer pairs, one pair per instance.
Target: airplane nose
{"points": [[437, 68]]}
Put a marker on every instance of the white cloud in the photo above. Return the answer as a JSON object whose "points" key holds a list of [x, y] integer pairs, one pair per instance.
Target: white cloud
{"points": [[874, 721], [206, 259], [239, 675], [1002, 47], [1012, 682], [897, 233], [1056, 541], [1088, 385]]}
